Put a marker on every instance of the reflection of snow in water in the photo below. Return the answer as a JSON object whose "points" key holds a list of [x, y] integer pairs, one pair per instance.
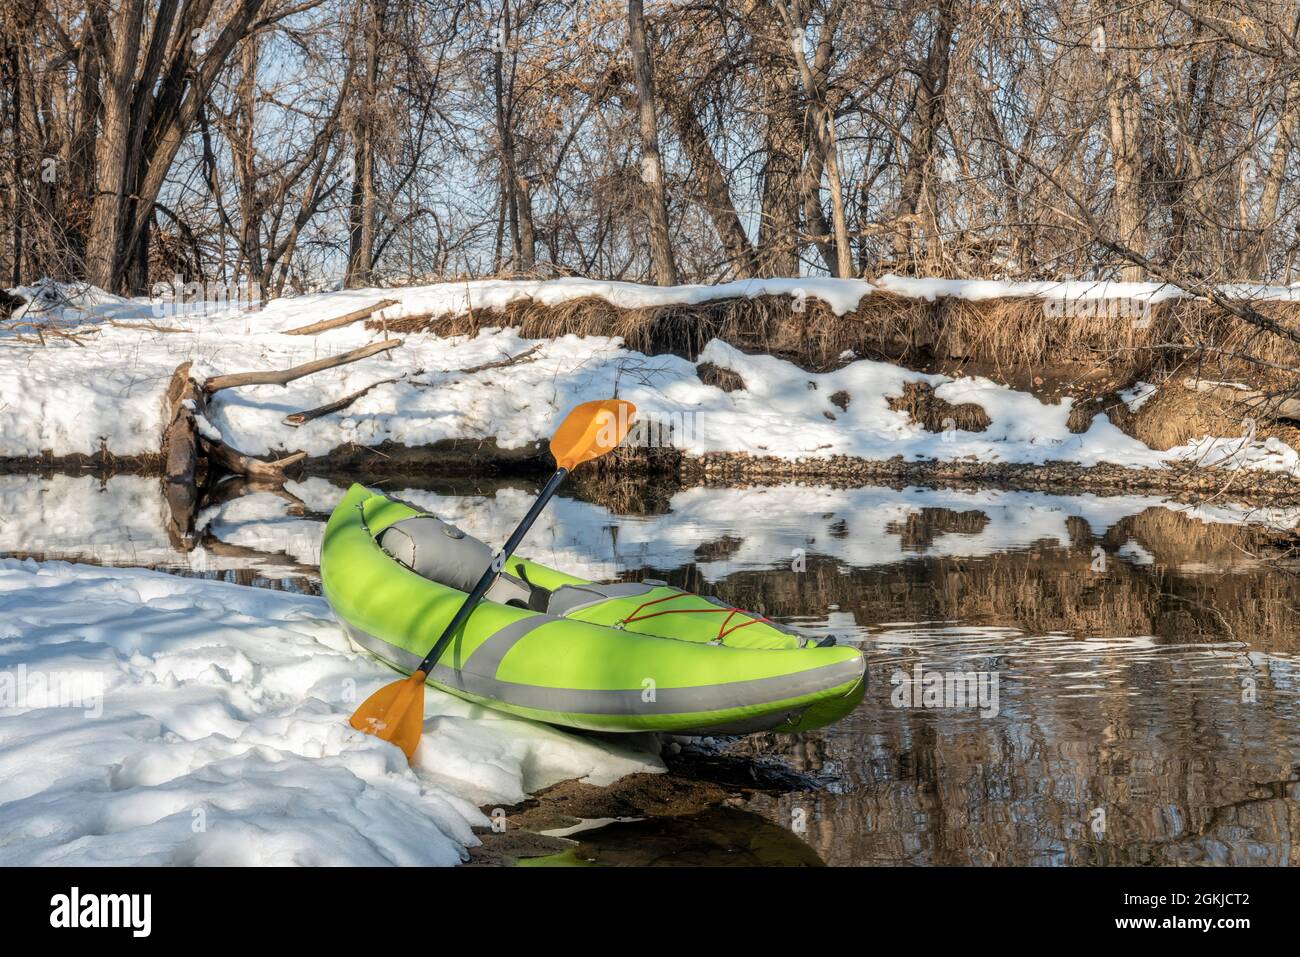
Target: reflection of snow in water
{"points": [[769, 528], [123, 521]]}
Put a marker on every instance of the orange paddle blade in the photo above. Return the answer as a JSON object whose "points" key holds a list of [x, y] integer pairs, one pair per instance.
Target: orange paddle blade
{"points": [[591, 430], [395, 713]]}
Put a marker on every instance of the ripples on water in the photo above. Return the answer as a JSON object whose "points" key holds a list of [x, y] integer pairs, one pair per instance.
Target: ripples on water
{"points": [[1144, 653]]}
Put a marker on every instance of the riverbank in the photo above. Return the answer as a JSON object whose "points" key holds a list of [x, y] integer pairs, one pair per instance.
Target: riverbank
{"points": [[468, 378]]}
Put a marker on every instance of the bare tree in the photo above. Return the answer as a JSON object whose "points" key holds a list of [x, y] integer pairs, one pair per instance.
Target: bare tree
{"points": [[655, 199]]}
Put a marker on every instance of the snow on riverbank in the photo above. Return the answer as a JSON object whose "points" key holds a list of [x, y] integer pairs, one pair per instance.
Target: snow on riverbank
{"points": [[206, 723], [107, 393]]}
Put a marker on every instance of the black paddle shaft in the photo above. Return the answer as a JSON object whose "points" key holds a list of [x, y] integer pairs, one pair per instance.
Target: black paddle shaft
{"points": [[492, 571]]}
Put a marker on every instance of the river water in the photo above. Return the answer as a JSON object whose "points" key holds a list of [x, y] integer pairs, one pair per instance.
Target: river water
{"points": [[1053, 679]]}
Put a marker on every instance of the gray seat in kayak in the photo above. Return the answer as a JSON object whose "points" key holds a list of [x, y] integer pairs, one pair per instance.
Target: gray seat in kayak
{"points": [[441, 552]]}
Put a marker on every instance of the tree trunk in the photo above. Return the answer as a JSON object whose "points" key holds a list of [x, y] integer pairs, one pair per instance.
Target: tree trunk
{"points": [[118, 43], [928, 115], [1266, 220], [712, 191], [1124, 110], [652, 178], [361, 209], [778, 229], [819, 121], [516, 194], [13, 80], [244, 149]]}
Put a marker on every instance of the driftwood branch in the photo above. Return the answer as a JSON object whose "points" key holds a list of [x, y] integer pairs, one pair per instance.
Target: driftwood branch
{"points": [[41, 329], [1272, 406], [351, 317], [233, 460], [285, 376], [146, 326], [528, 355], [300, 418]]}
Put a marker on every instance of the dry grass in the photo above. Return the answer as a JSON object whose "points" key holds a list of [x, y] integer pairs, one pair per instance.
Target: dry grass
{"points": [[1082, 413], [934, 414], [1010, 334], [725, 379], [1176, 415], [812, 336]]}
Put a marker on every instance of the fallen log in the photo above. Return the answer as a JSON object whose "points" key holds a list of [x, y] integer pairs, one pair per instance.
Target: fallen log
{"points": [[180, 455], [285, 376], [1278, 407], [363, 313], [188, 455]]}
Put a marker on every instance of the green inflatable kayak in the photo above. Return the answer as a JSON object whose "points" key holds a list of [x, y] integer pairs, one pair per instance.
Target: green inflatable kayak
{"points": [[629, 656]]}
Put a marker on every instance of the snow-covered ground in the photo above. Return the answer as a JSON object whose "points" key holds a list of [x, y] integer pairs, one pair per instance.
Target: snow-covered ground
{"points": [[106, 392], [147, 718]]}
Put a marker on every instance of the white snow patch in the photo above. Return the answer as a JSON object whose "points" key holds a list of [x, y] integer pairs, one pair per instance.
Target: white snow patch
{"points": [[206, 428], [1137, 396], [1132, 551]]}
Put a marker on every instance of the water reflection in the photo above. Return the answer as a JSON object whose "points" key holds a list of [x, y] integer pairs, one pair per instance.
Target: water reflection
{"points": [[1145, 653], [718, 837]]}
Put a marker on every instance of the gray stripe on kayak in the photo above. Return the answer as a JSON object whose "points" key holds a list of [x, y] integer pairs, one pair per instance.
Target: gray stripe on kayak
{"points": [[486, 658], [753, 692], [569, 598]]}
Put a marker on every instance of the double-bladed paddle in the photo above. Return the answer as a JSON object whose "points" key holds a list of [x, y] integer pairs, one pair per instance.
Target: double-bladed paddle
{"points": [[396, 711]]}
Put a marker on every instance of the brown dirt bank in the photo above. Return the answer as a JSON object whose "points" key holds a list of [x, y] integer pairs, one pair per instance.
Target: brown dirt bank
{"points": [[1085, 351], [103, 462], [621, 481]]}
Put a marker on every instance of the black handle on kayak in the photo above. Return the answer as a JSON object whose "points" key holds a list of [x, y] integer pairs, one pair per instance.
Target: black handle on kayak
{"points": [[492, 571]]}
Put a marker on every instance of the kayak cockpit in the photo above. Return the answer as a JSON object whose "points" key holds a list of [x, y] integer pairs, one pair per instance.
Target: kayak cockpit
{"points": [[442, 553]]}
